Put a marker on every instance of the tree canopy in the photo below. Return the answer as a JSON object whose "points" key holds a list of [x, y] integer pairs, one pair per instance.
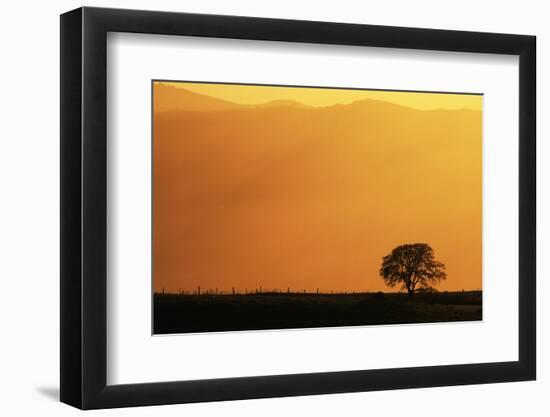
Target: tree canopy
{"points": [[412, 266]]}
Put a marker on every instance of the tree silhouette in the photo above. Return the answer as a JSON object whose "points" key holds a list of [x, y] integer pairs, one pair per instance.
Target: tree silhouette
{"points": [[413, 266]]}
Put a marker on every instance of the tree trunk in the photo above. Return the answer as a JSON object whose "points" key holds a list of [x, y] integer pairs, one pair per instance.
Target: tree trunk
{"points": [[411, 292]]}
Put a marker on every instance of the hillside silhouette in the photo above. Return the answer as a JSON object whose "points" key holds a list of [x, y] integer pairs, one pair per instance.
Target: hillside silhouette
{"points": [[169, 98], [177, 313]]}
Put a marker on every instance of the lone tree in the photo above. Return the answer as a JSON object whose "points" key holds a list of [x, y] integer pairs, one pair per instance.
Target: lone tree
{"points": [[412, 266]]}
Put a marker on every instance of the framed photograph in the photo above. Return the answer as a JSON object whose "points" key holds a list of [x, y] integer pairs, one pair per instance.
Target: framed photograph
{"points": [[257, 208]]}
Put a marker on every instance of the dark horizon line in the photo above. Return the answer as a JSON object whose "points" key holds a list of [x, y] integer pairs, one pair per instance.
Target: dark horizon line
{"points": [[229, 292]]}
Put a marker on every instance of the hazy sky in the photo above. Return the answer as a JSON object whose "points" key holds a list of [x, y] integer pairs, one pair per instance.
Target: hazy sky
{"points": [[317, 97], [286, 196]]}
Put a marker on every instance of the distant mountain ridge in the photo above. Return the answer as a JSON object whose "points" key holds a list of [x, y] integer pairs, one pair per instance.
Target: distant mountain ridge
{"points": [[283, 103], [167, 98], [170, 99]]}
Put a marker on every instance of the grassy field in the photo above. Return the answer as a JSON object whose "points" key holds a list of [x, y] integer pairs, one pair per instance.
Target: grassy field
{"points": [[174, 313]]}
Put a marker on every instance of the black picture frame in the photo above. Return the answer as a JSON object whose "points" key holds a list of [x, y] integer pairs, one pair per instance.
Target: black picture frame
{"points": [[84, 208]]}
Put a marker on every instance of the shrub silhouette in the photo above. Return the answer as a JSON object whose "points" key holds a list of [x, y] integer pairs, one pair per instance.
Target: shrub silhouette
{"points": [[379, 295], [413, 267]]}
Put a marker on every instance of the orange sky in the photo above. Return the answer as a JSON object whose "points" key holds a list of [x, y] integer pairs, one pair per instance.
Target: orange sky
{"points": [[309, 188]]}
